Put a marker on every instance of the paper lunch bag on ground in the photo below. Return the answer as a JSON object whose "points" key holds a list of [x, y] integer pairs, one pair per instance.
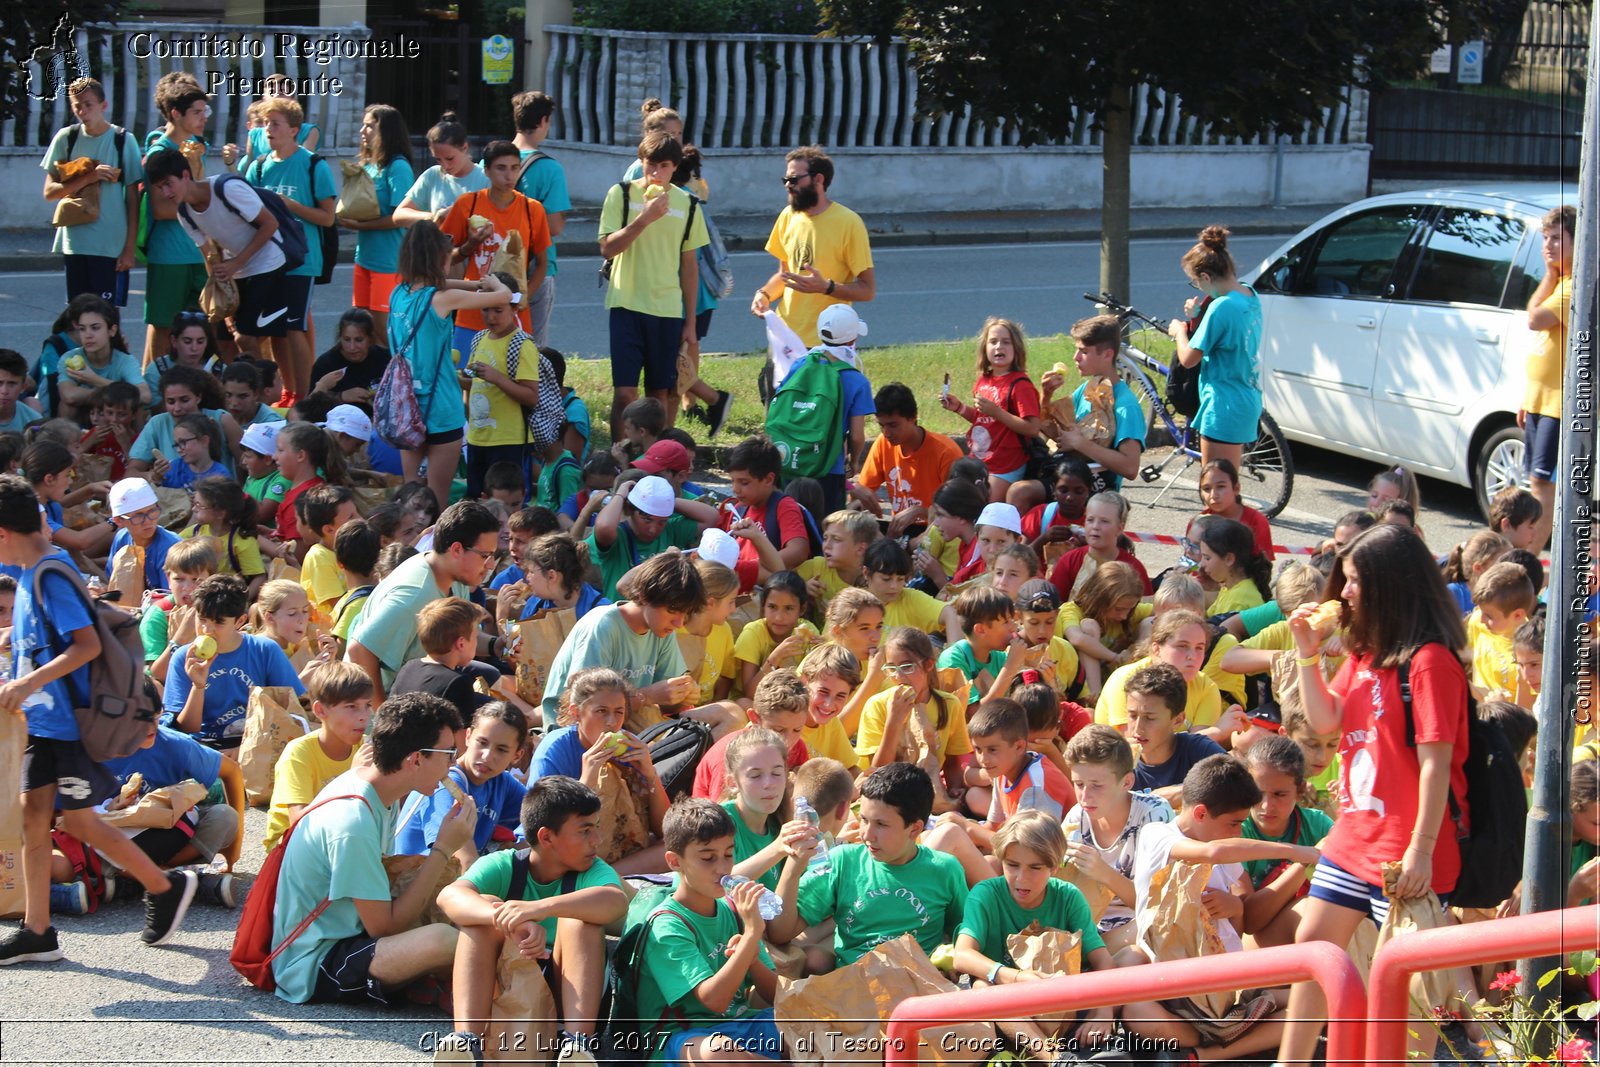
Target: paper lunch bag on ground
{"points": [[522, 1027], [271, 721], [538, 641]]}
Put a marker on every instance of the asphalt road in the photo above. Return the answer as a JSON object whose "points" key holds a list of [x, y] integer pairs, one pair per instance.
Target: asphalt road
{"points": [[115, 1001]]}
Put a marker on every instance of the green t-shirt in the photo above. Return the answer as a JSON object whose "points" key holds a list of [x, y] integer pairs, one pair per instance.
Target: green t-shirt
{"points": [[268, 487], [961, 655], [683, 949], [1260, 617], [168, 243], [1582, 852], [153, 632], [874, 902], [627, 552], [491, 876], [746, 842], [993, 914], [1307, 826], [558, 480], [106, 235]]}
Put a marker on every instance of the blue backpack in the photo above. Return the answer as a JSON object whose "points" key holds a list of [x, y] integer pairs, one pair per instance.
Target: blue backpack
{"points": [[291, 236]]}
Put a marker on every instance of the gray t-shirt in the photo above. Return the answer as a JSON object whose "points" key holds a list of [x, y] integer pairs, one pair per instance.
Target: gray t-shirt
{"points": [[233, 233]]}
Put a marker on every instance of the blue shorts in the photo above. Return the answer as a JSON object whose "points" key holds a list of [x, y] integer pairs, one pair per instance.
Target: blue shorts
{"points": [[647, 343], [1010, 476], [1541, 436], [1336, 885], [755, 1034]]}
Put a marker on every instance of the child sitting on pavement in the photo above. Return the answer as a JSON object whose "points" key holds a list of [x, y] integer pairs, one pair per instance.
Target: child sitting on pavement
{"points": [[341, 700]]}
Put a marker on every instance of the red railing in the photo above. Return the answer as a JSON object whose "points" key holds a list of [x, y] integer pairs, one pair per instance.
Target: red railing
{"points": [[1389, 996], [1318, 961]]}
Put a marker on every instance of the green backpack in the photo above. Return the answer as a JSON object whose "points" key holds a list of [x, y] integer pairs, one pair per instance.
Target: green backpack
{"points": [[803, 417]]}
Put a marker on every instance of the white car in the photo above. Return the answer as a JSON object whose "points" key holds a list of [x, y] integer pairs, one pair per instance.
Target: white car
{"points": [[1395, 329]]}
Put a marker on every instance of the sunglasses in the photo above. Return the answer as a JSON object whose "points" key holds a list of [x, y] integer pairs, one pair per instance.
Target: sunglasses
{"points": [[451, 752], [796, 179]]}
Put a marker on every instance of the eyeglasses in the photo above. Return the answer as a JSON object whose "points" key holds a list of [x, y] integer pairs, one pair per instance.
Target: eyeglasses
{"points": [[796, 179], [900, 670], [183, 442], [142, 518], [451, 752], [480, 552]]}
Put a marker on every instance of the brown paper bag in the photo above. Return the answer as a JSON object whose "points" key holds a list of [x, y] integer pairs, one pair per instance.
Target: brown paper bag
{"points": [[159, 809], [919, 744], [175, 506], [195, 153], [127, 577], [219, 299], [1098, 894], [512, 258], [538, 641], [622, 828], [688, 368], [271, 721], [358, 196], [83, 206], [1100, 424], [1051, 953], [745, 611], [694, 652], [523, 1017], [84, 516], [1181, 928], [839, 1017], [281, 568], [369, 497], [183, 624], [641, 717], [93, 468], [1429, 989], [403, 870], [13, 739]]}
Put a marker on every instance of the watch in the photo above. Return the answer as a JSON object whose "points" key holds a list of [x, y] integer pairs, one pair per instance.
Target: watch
{"points": [[829, 290]]}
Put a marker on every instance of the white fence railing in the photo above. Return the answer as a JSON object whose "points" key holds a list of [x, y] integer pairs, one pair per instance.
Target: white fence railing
{"points": [[129, 58], [1554, 33], [771, 91]]}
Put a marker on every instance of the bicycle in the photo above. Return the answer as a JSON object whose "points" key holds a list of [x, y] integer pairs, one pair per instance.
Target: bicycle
{"points": [[1266, 475]]}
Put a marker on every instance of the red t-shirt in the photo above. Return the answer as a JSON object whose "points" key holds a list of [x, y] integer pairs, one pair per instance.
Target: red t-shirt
{"points": [[110, 448], [288, 524], [1379, 772], [1252, 518], [791, 521], [969, 564], [1074, 717], [1002, 450], [1065, 576], [1033, 522], [708, 775], [1041, 786]]}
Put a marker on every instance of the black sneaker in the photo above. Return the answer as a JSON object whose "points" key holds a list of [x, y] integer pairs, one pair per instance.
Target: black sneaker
{"points": [[717, 412], [22, 945], [215, 890], [164, 912]]}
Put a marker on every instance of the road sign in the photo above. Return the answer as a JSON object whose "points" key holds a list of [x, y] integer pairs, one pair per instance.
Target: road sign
{"points": [[498, 62], [1439, 62], [1469, 64]]}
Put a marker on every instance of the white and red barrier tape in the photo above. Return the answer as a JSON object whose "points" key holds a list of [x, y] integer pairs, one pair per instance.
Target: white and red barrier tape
{"points": [[1277, 550]]}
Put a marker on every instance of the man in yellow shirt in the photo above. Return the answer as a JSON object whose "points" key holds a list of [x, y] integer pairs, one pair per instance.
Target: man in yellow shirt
{"points": [[822, 249], [1540, 415]]}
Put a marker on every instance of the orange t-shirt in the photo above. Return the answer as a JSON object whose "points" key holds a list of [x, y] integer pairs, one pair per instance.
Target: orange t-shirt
{"points": [[912, 477], [524, 215]]}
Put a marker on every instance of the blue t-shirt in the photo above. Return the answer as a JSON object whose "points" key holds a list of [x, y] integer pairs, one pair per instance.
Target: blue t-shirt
{"points": [[168, 243], [292, 179], [588, 598], [257, 661], [561, 752], [1188, 749], [37, 637], [1230, 376], [175, 757], [546, 182], [379, 250], [1130, 420], [383, 456], [155, 555], [157, 434], [511, 574], [181, 476], [499, 803], [577, 413], [855, 398]]}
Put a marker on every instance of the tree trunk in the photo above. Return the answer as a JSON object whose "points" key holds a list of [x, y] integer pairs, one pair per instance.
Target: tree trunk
{"points": [[1116, 143]]}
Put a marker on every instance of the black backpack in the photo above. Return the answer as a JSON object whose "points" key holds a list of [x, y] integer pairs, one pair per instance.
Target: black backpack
{"points": [[1491, 851], [676, 747], [519, 877], [291, 236], [327, 236]]}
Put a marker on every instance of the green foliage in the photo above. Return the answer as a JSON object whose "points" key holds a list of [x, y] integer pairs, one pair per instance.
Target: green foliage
{"points": [[699, 16]]}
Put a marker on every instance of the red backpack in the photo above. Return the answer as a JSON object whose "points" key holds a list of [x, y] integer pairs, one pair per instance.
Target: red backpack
{"points": [[253, 951]]}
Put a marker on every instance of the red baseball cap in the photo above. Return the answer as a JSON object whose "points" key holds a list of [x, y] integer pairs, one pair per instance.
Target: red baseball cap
{"points": [[664, 456]]}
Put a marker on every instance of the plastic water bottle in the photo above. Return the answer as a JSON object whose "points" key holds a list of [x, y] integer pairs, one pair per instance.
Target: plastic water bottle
{"points": [[770, 905], [807, 814]]}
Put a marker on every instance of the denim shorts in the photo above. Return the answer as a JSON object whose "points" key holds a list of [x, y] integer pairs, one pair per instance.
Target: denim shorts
{"points": [[756, 1034]]}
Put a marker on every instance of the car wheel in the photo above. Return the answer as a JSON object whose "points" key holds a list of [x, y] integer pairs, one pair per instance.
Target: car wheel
{"points": [[1500, 464]]}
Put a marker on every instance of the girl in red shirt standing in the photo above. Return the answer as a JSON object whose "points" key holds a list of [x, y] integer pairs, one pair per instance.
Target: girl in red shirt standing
{"points": [[1394, 798], [1219, 492], [1005, 409]]}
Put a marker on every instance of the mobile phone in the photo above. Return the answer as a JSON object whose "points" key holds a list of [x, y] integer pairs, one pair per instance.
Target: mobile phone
{"points": [[945, 392]]}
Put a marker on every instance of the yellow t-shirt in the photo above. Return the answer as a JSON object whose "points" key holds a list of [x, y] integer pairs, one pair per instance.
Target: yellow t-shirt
{"points": [[1494, 659], [832, 584], [302, 771], [948, 553], [493, 418], [834, 242], [755, 644], [1236, 597], [645, 278], [718, 662], [1065, 659], [953, 739], [238, 553], [1203, 708], [831, 741], [1225, 681], [322, 580], [1116, 638], [1548, 358], [915, 609]]}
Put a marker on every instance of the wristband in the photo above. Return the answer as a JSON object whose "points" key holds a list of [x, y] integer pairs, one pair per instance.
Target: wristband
{"points": [[1308, 661], [435, 848], [994, 973], [829, 290]]}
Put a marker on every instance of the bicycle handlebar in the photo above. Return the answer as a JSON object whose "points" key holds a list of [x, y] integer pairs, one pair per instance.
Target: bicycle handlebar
{"points": [[1123, 311]]}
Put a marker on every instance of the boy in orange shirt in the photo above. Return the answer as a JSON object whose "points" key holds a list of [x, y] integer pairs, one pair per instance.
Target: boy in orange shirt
{"points": [[912, 461]]}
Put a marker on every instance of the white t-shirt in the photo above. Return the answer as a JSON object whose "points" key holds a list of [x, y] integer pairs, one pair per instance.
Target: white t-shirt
{"points": [[233, 233], [1153, 853], [1143, 809]]}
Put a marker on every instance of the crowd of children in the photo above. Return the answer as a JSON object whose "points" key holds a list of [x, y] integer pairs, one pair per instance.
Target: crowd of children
{"points": [[954, 711]]}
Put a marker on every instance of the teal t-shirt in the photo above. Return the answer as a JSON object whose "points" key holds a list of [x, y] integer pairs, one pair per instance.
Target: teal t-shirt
{"points": [[874, 902], [168, 243], [557, 481], [379, 250], [546, 182], [961, 655], [746, 842], [293, 179], [626, 552], [106, 235], [491, 876], [992, 914], [436, 189], [682, 949], [1258, 618], [1130, 419], [121, 368], [603, 638], [1230, 375], [1307, 826], [256, 144]]}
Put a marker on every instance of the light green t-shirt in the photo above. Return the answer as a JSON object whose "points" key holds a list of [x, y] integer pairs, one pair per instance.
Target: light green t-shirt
{"points": [[1307, 826], [106, 235], [436, 190], [603, 638], [388, 624], [874, 902], [645, 277], [993, 914], [961, 654], [746, 842], [683, 949], [627, 552], [491, 876]]}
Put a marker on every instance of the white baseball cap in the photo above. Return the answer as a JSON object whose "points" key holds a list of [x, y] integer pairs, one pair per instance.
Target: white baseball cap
{"points": [[840, 325], [653, 495], [718, 546], [1004, 516], [347, 418], [131, 495], [261, 437]]}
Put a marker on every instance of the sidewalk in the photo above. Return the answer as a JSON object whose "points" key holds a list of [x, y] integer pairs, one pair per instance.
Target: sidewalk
{"points": [[29, 250]]}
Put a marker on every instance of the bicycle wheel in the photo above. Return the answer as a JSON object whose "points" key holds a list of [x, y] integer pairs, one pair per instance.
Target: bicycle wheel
{"points": [[1267, 477]]}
